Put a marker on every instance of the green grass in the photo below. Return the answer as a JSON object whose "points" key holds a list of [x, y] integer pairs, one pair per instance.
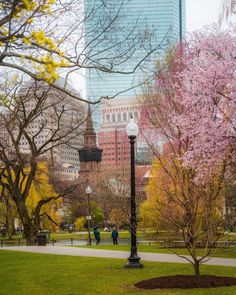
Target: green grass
{"points": [[155, 248], [38, 274]]}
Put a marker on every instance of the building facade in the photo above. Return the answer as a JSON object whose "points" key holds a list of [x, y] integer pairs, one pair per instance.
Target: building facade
{"points": [[58, 129], [112, 137], [141, 30]]}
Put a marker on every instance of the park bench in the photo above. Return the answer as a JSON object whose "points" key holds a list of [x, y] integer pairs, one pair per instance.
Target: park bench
{"points": [[221, 243], [179, 243], [149, 242]]}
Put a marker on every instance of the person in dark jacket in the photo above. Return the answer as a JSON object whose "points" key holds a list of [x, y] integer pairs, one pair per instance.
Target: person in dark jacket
{"points": [[96, 233], [115, 236]]}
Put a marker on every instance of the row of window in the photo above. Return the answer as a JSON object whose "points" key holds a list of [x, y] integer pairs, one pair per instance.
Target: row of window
{"points": [[69, 171], [124, 117], [70, 177], [121, 109]]}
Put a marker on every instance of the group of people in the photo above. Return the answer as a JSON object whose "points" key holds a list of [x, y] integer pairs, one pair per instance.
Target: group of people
{"points": [[114, 235]]}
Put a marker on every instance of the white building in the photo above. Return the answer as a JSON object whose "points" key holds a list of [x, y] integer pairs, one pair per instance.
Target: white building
{"points": [[57, 129]]}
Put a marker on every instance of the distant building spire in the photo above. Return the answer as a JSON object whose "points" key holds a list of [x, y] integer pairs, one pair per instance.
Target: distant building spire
{"points": [[89, 123], [89, 134], [90, 156]]}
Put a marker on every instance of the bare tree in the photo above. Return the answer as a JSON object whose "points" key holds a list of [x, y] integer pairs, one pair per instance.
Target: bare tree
{"points": [[36, 120], [114, 195]]}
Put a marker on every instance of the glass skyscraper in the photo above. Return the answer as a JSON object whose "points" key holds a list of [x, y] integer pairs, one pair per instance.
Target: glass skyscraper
{"points": [[133, 31]]}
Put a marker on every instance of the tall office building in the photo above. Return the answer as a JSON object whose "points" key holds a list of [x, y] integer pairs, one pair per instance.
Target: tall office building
{"points": [[59, 117], [134, 31]]}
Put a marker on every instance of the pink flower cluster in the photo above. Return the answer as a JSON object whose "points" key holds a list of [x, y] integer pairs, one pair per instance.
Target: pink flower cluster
{"points": [[206, 91]]}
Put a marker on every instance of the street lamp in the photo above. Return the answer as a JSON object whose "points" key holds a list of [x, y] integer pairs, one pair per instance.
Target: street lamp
{"points": [[88, 192], [133, 260]]}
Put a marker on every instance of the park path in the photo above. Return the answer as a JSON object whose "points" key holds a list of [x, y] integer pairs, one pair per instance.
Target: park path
{"points": [[76, 251]]}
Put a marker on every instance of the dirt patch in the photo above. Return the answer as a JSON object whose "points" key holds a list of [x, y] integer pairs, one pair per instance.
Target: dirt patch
{"points": [[186, 282]]}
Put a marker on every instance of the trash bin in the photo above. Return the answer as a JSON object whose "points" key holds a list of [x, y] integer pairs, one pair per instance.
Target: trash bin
{"points": [[42, 238]]}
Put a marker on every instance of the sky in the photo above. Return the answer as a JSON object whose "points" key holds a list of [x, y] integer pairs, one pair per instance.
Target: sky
{"points": [[201, 12]]}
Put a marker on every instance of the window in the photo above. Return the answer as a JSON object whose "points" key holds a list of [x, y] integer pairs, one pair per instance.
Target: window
{"points": [[118, 117], [130, 115], [113, 118], [124, 117], [108, 118]]}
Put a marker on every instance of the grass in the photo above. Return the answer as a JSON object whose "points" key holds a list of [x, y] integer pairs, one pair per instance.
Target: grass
{"points": [[38, 274]]}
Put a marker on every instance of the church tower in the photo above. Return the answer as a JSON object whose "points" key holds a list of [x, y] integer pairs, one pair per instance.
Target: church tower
{"points": [[90, 156], [89, 135]]}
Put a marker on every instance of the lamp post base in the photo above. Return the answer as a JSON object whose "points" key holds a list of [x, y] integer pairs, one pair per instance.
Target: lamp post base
{"points": [[133, 262]]}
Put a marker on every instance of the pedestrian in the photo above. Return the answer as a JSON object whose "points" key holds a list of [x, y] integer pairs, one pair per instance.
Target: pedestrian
{"points": [[96, 233], [115, 236]]}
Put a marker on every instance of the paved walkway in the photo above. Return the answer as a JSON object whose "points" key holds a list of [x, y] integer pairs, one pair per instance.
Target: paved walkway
{"points": [[76, 251]]}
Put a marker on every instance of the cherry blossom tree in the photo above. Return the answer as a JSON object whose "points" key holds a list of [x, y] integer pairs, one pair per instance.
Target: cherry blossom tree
{"points": [[191, 210], [206, 93]]}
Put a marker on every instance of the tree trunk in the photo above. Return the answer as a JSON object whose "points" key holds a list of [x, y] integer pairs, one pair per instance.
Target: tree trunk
{"points": [[9, 220], [30, 230], [30, 234], [9, 226], [197, 269]]}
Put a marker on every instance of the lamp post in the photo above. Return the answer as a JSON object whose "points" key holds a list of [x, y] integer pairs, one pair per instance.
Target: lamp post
{"points": [[133, 260], [88, 192]]}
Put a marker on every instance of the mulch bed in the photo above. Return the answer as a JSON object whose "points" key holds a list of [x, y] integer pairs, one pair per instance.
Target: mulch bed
{"points": [[186, 282]]}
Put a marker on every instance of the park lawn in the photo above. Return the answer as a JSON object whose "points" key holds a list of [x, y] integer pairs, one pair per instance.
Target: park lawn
{"points": [[43, 274], [155, 248]]}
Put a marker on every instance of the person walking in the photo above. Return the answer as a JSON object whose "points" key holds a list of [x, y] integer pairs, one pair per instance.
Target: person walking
{"points": [[96, 233], [115, 236]]}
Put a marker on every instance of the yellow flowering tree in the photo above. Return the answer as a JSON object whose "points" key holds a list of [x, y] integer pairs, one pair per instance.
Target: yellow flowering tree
{"points": [[40, 38], [38, 209], [27, 46], [7, 212], [43, 201], [149, 214]]}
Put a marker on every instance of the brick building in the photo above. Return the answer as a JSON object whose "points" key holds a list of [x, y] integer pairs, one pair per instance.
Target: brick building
{"points": [[112, 137]]}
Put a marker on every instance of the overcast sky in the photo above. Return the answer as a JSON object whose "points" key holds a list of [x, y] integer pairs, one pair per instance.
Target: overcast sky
{"points": [[200, 13]]}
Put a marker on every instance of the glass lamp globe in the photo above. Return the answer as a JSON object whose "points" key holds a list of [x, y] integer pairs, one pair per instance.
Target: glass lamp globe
{"points": [[88, 190], [132, 129]]}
